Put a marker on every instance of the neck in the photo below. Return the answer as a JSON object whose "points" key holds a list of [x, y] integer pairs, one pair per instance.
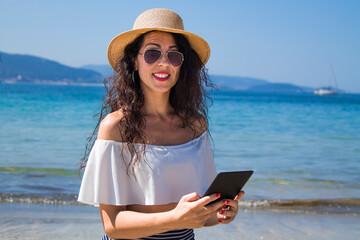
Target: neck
{"points": [[157, 104]]}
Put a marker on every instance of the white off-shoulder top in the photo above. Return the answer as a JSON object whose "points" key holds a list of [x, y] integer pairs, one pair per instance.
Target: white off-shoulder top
{"points": [[168, 173]]}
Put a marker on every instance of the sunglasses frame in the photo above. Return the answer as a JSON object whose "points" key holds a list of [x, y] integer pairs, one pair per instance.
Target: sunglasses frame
{"points": [[161, 55]]}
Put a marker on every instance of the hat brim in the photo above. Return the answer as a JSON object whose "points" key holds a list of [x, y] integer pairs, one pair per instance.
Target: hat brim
{"points": [[117, 45]]}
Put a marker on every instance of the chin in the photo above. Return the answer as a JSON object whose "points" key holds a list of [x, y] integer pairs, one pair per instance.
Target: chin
{"points": [[159, 86]]}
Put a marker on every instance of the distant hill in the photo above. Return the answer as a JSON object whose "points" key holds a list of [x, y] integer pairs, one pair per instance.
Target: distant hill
{"points": [[27, 68], [277, 87], [222, 82]]}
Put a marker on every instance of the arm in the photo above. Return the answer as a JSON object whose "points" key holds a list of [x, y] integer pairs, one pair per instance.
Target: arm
{"points": [[121, 223], [190, 212]]}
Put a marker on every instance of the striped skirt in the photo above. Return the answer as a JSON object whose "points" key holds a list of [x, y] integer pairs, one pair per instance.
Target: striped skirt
{"points": [[179, 234]]}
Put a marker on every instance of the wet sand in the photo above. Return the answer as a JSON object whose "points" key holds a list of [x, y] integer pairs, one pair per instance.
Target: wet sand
{"points": [[36, 221]]}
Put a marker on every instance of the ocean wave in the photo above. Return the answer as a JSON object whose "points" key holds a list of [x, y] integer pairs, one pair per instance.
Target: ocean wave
{"points": [[347, 206], [48, 171], [344, 206], [54, 199], [295, 181]]}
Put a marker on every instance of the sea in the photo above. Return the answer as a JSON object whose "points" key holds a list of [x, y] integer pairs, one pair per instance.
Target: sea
{"points": [[304, 149]]}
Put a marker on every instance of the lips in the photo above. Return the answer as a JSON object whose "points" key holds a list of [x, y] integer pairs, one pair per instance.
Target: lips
{"points": [[161, 76]]}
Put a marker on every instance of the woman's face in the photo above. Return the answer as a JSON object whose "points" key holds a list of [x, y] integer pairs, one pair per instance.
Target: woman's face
{"points": [[160, 76]]}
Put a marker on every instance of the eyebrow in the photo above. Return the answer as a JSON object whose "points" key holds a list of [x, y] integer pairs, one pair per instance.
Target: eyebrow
{"points": [[158, 45]]}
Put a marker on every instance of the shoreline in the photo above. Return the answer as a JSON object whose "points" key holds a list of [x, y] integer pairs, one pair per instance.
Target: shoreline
{"points": [[221, 88], [336, 206], [36, 221]]}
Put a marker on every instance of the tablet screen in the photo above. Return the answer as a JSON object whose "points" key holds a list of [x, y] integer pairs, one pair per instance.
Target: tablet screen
{"points": [[228, 184]]}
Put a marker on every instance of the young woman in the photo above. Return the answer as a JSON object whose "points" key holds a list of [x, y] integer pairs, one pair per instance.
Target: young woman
{"points": [[152, 159]]}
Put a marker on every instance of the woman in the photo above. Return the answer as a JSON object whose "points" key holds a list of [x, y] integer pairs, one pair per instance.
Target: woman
{"points": [[152, 160]]}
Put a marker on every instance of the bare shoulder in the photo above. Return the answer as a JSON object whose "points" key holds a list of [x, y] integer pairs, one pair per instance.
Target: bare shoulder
{"points": [[200, 125], [110, 128]]}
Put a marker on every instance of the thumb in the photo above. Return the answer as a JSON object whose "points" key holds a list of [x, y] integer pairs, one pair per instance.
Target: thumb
{"points": [[192, 197], [239, 196]]}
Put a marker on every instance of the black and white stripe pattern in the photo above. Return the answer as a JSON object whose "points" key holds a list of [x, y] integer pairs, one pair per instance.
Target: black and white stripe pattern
{"points": [[180, 234]]}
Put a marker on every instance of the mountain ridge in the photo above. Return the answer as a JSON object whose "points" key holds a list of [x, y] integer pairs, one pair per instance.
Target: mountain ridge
{"points": [[28, 68], [229, 82], [20, 68]]}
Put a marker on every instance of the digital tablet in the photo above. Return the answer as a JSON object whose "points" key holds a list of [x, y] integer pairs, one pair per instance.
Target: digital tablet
{"points": [[228, 184]]}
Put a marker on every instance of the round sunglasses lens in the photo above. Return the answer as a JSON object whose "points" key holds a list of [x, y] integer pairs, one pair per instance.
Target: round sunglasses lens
{"points": [[175, 58], [152, 56]]}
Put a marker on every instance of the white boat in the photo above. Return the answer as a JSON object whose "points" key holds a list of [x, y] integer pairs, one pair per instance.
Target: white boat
{"points": [[328, 90], [325, 91]]}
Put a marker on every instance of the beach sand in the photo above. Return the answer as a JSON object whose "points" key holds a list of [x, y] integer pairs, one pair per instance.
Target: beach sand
{"points": [[36, 221]]}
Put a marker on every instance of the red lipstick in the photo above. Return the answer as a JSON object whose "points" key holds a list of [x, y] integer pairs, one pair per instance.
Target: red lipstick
{"points": [[161, 76]]}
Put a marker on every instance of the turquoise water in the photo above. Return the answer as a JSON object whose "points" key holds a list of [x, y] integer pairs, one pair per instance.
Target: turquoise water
{"points": [[301, 146]]}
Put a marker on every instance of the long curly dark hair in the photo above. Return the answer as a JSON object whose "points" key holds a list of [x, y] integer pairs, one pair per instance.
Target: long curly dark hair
{"points": [[189, 97]]}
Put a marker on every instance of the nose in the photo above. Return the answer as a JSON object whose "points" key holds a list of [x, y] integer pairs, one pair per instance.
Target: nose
{"points": [[163, 59]]}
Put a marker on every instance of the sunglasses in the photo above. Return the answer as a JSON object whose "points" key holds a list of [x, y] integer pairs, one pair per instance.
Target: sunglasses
{"points": [[151, 56]]}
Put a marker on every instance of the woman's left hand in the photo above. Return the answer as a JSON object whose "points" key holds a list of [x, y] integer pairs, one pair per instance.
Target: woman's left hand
{"points": [[230, 209]]}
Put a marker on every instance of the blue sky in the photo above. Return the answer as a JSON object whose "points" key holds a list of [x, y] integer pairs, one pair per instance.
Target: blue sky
{"points": [[278, 40]]}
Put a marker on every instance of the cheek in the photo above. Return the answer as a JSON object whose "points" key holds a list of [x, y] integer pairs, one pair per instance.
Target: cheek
{"points": [[177, 74], [141, 67], [145, 73], [143, 70]]}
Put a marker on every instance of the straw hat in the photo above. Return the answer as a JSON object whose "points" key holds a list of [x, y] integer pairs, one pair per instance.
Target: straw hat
{"points": [[156, 19]]}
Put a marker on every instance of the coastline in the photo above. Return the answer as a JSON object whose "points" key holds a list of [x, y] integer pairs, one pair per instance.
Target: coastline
{"points": [[337, 206], [36, 221], [54, 83]]}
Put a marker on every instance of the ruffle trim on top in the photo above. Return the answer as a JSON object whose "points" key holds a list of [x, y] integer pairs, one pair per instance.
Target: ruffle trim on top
{"points": [[168, 173]]}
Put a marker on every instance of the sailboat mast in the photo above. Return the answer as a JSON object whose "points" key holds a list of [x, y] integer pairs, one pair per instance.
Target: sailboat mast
{"points": [[334, 77]]}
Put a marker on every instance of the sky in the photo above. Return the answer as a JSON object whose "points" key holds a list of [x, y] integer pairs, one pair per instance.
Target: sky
{"points": [[279, 41]]}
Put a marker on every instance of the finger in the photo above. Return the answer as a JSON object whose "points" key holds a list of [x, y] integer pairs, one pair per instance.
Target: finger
{"points": [[208, 199], [226, 220], [227, 213], [240, 195], [230, 203], [193, 197], [190, 197], [215, 207], [226, 216]]}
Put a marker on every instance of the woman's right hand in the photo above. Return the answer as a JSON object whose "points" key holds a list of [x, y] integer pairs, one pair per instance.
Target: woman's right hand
{"points": [[192, 212]]}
